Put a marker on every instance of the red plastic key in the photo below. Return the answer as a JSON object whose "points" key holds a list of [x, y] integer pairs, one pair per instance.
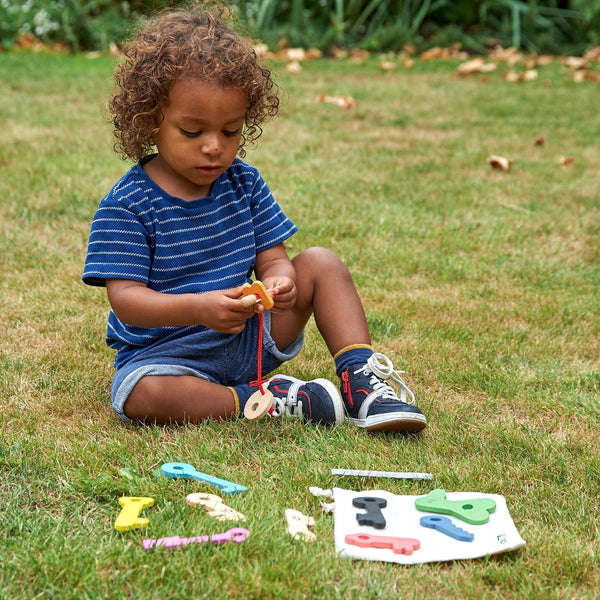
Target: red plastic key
{"points": [[398, 544]]}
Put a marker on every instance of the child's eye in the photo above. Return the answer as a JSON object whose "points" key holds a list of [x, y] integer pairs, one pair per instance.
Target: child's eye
{"points": [[190, 134], [231, 133]]}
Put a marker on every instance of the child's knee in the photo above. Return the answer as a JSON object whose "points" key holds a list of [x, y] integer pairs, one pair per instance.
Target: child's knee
{"points": [[320, 258]]}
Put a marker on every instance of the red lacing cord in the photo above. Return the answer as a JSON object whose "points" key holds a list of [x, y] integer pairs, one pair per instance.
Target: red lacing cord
{"points": [[258, 381], [260, 342]]}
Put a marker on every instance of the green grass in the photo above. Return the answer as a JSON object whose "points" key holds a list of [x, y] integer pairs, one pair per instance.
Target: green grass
{"points": [[484, 286]]}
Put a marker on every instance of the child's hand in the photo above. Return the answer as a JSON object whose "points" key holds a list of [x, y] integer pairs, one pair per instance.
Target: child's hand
{"points": [[225, 312], [283, 292]]}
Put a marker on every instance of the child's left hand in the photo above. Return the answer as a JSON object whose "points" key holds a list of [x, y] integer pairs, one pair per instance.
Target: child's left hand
{"points": [[283, 292]]}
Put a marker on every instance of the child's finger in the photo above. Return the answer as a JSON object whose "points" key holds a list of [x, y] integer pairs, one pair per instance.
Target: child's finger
{"points": [[249, 300]]}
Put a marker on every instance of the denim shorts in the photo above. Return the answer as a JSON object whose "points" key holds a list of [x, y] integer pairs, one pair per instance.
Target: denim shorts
{"points": [[228, 360]]}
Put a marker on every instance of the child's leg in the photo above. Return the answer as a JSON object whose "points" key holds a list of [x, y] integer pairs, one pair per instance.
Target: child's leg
{"points": [[178, 399], [325, 288], [170, 399]]}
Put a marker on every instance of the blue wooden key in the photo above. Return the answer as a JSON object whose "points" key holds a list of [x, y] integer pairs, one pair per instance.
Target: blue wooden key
{"points": [[176, 469], [446, 526]]}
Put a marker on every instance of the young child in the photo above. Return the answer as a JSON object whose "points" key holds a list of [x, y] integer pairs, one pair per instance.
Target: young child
{"points": [[178, 236]]}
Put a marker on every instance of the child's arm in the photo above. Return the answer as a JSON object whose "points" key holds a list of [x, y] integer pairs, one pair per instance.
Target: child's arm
{"points": [[137, 305], [275, 270]]}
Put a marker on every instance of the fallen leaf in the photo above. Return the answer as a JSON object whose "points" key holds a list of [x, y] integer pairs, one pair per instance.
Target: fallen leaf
{"points": [[593, 54], [313, 54], [539, 141], [339, 53], [514, 77], [387, 65], [566, 161], [511, 55], [574, 62], [295, 54], [500, 162], [359, 56], [592, 75], [476, 65], [341, 101], [293, 67], [262, 51]]}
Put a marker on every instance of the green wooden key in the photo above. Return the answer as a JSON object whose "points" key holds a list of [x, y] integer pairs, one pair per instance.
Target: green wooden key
{"points": [[475, 511]]}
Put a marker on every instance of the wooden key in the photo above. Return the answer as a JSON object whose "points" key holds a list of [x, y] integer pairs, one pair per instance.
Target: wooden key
{"points": [[129, 517], [475, 510], [399, 545], [215, 507], [237, 535], [298, 525], [373, 517], [177, 470]]}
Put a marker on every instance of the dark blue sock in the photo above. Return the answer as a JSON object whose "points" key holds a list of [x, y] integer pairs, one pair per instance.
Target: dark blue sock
{"points": [[243, 392], [352, 355]]}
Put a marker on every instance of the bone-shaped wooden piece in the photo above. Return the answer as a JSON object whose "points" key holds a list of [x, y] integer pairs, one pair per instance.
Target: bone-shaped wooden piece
{"points": [[129, 517], [475, 511], [215, 506], [257, 288], [237, 535], [373, 517], [399, 545], [298, 525]]}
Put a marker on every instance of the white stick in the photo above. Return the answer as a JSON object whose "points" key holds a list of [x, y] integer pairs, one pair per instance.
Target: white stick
{"points": [[390, 474]]}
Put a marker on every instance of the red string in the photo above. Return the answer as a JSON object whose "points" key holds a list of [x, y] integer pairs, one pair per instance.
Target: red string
{"points": [[260, 341]]}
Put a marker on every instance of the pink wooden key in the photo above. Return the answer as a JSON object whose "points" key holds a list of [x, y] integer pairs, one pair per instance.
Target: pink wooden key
{"points": [[399, 545], [237, 535]]}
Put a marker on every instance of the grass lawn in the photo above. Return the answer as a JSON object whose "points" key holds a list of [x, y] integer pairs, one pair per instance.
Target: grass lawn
{"points": [[483, 285]]}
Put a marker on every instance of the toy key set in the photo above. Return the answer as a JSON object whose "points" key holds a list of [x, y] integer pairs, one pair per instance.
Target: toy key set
{"points": [[417, 529], [132, 506], [373, 526]]}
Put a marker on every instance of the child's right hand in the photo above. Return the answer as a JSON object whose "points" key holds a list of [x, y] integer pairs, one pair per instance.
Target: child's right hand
{"points": [[225, 312], [137, 305]]}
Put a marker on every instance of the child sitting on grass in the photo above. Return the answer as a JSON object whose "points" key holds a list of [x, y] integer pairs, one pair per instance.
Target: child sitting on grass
{"points": [[178, 236]]}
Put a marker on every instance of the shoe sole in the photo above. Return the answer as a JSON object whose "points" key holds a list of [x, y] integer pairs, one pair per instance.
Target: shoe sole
{"points": [[408, 423]]}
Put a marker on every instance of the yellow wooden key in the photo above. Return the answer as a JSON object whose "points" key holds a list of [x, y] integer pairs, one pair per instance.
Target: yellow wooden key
{"points": [[129, 517]]}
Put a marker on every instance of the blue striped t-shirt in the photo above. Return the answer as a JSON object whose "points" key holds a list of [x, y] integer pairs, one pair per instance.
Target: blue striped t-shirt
{"points": [[174, 246]]}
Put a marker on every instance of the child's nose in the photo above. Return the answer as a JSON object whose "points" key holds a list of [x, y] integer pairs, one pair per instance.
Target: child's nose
{"points": [[211, 144]]}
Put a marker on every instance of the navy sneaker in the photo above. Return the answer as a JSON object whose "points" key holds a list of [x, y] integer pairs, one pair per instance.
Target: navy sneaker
{"points": [[317, 401], [373, 404]]}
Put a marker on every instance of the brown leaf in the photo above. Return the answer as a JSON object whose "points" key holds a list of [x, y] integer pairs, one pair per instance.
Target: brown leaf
{"points": [[514, 77], [511, 55], [293, 68], [313, 54], [539, 141], [476, 65], [345, 102], [359, 56], [500, 162], [387, 65], [566, 161]]}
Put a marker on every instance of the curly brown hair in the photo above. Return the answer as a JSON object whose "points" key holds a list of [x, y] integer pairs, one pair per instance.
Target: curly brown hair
{"points": [[175, 44]]}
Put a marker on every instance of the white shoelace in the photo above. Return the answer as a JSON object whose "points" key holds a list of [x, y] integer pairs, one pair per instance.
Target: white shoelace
{"points": [[383, 370], [290, 406]]}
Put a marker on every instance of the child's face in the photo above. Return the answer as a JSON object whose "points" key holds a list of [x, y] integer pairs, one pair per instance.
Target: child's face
{"points": [[198, 137]]}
